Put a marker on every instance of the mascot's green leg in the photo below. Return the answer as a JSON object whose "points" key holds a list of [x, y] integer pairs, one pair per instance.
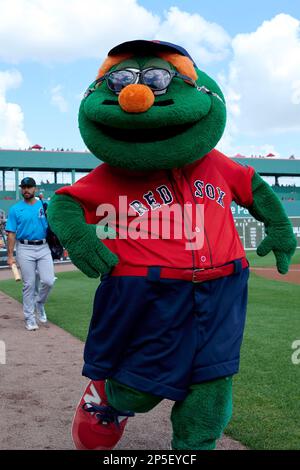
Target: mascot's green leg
{"points": [[200, 419], [123, 397]]}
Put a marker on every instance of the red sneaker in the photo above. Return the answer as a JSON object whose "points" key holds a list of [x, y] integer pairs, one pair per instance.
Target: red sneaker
{"points": [[96, 424]]}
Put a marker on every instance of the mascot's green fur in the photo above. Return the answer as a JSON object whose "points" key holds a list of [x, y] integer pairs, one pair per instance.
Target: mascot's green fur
{"points": [[140, 133]]}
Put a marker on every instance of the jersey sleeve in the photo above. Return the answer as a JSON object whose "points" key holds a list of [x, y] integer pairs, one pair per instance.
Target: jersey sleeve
{"points": [[11, 224], [239, 178], [88, 192]]}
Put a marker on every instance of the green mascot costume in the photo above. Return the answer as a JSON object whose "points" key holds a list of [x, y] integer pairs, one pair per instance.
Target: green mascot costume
{"points": [[154, 221]]}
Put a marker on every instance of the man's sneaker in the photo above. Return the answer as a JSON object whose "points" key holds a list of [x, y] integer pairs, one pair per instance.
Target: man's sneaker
{"points": [[41, 314], [96, 424], [30, 324]]}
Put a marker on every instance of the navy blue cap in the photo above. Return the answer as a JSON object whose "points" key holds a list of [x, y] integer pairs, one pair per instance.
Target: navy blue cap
{"points": [[27, 182], [142, 46]]}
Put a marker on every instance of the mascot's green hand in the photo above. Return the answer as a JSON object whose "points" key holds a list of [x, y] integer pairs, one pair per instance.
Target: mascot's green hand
{"points": [[282, 242], [82, 240], [89, 254], [280, 238]]}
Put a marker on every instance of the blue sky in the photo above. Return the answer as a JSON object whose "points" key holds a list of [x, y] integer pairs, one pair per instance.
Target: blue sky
{"points": [[50, 52], [236, 16]]}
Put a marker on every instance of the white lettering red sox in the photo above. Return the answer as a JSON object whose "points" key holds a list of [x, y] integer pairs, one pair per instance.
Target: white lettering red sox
{"points": [[210, 191], [165, 195]]}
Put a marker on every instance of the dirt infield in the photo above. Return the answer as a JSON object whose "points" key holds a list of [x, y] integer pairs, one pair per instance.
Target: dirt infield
{"points": [[41, 383], [293, 276]]}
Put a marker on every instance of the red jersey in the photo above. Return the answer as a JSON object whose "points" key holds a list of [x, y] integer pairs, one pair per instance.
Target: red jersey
{"points": [[203, 190]]}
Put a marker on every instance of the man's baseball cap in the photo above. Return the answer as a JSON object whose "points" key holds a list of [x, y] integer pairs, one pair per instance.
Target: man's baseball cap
{"points": [[27, 182], [141, 46]]}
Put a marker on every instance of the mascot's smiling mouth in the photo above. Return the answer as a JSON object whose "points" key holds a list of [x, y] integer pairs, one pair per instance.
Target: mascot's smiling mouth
{"points": [[156, 103], [144, 135]]}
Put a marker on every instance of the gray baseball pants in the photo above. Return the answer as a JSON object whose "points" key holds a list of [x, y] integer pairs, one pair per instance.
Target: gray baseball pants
{"points": [[35, 259]]}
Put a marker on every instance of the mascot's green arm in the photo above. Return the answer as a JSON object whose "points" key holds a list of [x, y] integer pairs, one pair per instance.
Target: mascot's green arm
{"points": [[268, 209], [88, 253]]}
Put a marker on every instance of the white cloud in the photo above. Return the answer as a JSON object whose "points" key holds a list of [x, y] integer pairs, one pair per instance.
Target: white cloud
{"points": [[263, 86], [67, 30], [206, 42], [12, 134], [296, 92], [230, 145], [58, 100]]}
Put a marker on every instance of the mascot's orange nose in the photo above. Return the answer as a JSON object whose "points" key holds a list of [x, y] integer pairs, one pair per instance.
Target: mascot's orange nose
{"points": [[136, 98]]}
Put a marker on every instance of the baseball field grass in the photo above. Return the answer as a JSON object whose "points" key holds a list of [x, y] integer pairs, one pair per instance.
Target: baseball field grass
{"points": [[266, 391], [269, 260]]}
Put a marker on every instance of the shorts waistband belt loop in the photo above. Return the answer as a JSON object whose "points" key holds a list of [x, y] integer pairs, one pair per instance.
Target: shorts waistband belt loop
{"points": [[154, 273], [237, 266]]}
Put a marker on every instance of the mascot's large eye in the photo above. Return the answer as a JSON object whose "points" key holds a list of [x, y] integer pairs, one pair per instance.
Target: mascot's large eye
{"points": [[156, 79], [120, 79]]}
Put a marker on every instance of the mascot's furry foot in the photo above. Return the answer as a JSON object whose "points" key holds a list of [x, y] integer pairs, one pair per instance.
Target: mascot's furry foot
{"points": [[96, 424]]}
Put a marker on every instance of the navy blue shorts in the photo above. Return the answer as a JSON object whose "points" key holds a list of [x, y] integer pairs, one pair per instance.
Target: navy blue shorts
{"points": [[162, 335]]}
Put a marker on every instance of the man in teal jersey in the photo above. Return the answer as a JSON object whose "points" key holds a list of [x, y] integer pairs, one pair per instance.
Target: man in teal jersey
{"points": [[26, 228]]}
